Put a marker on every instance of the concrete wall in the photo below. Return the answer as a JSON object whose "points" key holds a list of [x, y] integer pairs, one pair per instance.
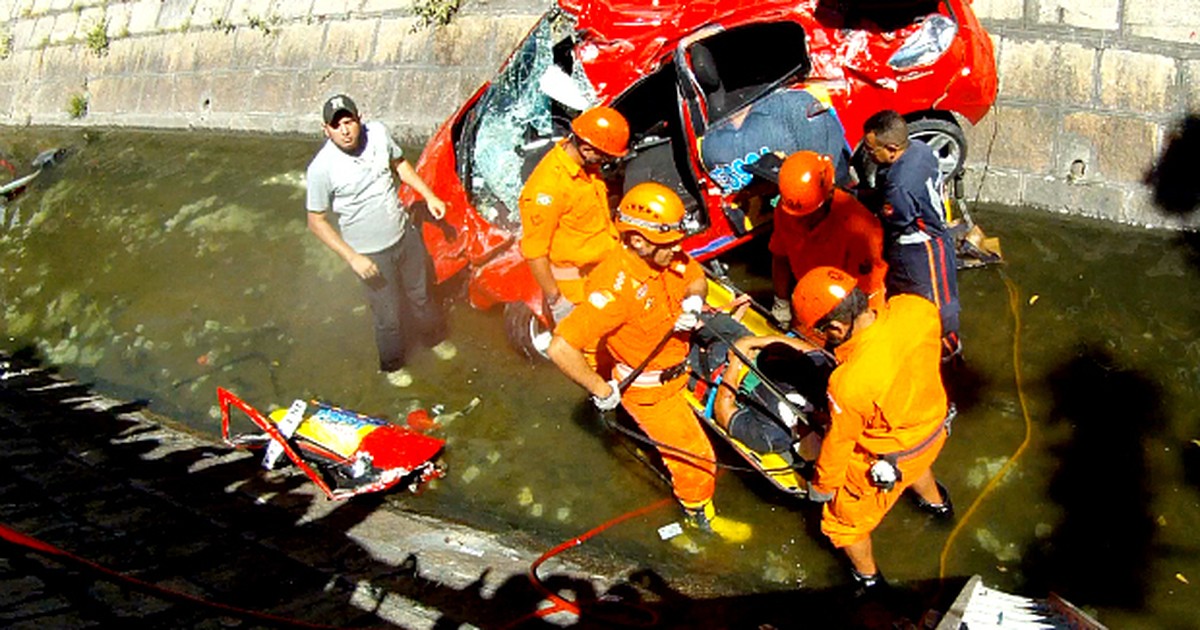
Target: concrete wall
{"points": [[1089, 89]]}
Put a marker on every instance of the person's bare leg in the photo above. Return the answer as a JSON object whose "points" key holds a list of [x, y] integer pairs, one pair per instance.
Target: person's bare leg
{"points": [[862, 556], [926, 487]]}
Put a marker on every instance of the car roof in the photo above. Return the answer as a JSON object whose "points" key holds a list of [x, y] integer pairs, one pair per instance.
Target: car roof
{"points": [[630, 37]]}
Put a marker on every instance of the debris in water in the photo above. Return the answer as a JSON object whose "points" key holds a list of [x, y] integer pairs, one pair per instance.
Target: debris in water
{"points": [[536, 511], [1161, 520], [1033, 299], [667, 532], [470, 474], [419, 420], [563, 513], [525, 496], [1182, 578]]}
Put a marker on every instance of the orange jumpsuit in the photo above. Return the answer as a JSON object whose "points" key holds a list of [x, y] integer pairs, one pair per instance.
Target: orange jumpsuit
{"points": [[849, 238], [885, 396], [565, 216], [632, 306]]}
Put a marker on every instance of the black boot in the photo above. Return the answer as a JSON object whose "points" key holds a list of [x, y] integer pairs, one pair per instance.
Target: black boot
{"points": [[943, 511], [868, 584]]}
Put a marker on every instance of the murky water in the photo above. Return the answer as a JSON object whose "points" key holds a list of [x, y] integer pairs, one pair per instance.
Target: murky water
{"points": [[160, 266]]}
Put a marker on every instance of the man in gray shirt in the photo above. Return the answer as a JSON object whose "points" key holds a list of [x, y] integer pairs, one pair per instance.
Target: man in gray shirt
{"points": [[351, 176]]}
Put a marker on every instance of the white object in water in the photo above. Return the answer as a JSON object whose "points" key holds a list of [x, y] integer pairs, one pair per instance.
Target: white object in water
{"points": [[667, 532]]}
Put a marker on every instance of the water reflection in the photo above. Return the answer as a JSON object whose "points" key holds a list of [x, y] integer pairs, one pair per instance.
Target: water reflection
{"points": [[159, 266]]}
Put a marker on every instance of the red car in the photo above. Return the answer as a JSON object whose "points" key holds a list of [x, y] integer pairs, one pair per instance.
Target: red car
{"points": [[929, 60]]}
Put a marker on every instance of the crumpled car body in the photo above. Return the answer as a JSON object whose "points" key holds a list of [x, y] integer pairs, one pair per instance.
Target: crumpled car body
{"points": [[930, 61]]}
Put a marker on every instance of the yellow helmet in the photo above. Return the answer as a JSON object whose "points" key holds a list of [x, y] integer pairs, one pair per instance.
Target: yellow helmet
{"points": [[654, 211]]}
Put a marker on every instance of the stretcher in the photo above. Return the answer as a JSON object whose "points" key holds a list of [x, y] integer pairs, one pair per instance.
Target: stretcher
{"points": [[344, 453], [701, 393]]}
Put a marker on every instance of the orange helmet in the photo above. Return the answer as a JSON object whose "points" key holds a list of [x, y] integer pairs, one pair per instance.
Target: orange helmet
{"points": [[604, 128], [805, 182], [819, 292], [654, 211]]}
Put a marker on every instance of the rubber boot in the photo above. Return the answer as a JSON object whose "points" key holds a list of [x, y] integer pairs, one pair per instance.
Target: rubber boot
{"points": [[943, 511], [704, 518]]}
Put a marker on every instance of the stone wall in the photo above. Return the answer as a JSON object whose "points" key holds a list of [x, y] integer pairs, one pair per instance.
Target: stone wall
{"points": [[262, 65], [1090, 90]]}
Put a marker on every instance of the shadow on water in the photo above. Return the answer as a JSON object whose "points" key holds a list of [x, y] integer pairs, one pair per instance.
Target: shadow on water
{"points": [[1100, 553], [95, 482]]}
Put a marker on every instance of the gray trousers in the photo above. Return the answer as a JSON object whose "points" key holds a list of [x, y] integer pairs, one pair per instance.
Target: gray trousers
{"points": [[399, 297]]}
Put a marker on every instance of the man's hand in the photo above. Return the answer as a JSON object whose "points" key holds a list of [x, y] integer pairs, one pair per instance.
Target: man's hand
{"points": [[437, 207], [690, 318], [560, 308], [609, 402], [781, 310], [364, 267], [817, 496]]}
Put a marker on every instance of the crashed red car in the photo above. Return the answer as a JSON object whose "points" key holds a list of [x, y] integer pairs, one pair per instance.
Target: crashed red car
{"points": [[929, 60]]}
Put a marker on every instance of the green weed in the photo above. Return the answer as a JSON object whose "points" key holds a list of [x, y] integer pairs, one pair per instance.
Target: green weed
{"points": [[97, 38], [434, 12], [77, 107]]}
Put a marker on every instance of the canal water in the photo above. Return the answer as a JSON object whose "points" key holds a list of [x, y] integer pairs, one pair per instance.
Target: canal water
{"points": [[159, 266]]}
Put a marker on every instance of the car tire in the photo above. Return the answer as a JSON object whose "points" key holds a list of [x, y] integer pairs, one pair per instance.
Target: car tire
{"points": [[522, 326], [946, 139]]}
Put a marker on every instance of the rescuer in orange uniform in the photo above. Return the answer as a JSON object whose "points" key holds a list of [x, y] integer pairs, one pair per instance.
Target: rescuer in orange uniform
{"points": [[566, 224], [888, 410], [818, 224], [644, 293]]}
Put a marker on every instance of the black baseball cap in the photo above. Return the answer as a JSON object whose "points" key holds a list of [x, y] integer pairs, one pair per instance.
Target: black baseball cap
{"points": [[337, 104]]}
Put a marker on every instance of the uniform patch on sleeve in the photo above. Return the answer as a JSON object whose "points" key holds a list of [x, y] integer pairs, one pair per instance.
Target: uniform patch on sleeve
{"points": [[619, 281], [544, 199], [600, 299]]}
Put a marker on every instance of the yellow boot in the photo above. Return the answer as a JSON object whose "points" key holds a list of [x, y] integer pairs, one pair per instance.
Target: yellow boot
{"points": [[704, 517]]}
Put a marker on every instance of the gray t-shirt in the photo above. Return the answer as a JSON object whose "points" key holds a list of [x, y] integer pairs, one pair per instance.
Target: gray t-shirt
{"points": [[360, 190]]}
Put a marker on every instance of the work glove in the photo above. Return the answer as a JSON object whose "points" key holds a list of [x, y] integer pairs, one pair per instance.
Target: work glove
{"points": [[561, 308], [781, 310], [689, 319], [817, 496], [611, 401]]}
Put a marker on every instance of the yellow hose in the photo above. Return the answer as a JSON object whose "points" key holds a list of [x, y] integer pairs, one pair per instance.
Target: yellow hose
{"points": [[1015, 306]]}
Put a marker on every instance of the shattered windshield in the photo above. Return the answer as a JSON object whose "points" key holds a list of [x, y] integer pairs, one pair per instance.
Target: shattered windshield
{"points": [[515, 117]]}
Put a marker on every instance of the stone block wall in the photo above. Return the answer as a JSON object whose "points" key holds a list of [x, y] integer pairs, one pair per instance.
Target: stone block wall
{"points": [[261, 65], [1090, 92]]}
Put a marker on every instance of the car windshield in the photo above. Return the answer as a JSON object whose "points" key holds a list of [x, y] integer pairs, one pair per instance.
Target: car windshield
{"points": [[515, 117]]}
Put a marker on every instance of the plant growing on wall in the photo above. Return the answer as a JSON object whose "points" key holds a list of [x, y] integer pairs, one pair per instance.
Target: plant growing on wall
{"points": [[6, 42], [434, 12], [97, 38], [77, 107]]}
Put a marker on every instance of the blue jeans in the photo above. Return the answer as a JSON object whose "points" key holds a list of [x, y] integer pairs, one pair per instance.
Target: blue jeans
{"points": [[399, 298]]}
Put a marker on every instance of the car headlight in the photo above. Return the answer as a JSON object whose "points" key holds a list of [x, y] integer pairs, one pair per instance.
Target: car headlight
{"points": [[926, 45]]}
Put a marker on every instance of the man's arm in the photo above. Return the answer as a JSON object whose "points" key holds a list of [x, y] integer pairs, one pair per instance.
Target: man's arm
{"points": [[540, 267], [319, 225], [409, 176], [572, 363]]}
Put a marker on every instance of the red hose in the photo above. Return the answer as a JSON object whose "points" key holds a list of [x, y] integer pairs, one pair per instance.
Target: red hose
{"points": [[563, 605]]}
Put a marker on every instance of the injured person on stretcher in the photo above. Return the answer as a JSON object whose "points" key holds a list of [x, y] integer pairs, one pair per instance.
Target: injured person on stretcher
{"points": [[766, 395]]}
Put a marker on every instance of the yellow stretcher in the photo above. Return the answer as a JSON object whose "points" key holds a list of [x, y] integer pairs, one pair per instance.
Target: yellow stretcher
{"points": [[700, 396]]}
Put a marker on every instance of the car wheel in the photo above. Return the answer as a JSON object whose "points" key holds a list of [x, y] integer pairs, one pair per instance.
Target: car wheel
{"points": [[947, 141], [526, 332]]}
